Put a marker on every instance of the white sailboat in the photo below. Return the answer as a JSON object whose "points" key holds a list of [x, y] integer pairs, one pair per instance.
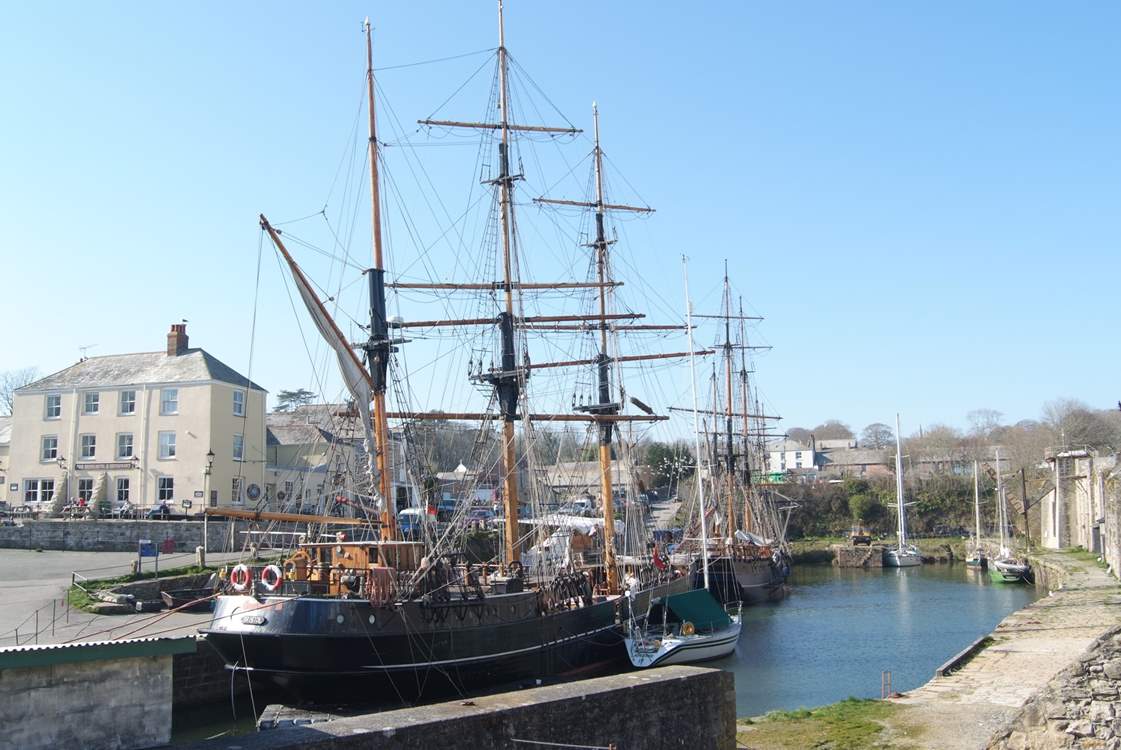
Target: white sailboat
{"points": [[1006, 568], [903, 555], [692, 626]]}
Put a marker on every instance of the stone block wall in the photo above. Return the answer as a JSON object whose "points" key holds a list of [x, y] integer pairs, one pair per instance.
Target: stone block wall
{"points": [[657, 709], [98, 705], [1080, 708], [115, 536], [850, 556], [202, 678]]}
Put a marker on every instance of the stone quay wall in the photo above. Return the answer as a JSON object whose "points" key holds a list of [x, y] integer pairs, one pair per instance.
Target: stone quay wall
{"points": [[1079, 707], [851, 556], [202, 678], [117, 536], [114, 704], [656, 709]]}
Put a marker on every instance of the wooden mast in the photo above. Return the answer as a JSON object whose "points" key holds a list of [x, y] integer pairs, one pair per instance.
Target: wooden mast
{"points": [[747, 511], [507, 385], [730, 458], [605, 405], [378, 346]]}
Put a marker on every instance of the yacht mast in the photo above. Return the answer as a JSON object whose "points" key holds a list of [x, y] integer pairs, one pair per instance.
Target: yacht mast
{"points": [[977, 504], [378, 346], [902, 531], [696, 423]]}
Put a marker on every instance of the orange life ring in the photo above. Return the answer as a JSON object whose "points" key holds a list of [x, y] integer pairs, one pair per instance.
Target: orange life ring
{"points": [[271, 578], [240, 577], [687, 628]]}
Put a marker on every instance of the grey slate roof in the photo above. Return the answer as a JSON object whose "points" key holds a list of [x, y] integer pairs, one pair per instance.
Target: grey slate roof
{"points": [[310, 424], [136, 369]]}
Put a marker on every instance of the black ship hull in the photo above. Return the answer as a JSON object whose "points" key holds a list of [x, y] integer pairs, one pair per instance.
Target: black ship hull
{"points": [[349, 650], [752, 581]]}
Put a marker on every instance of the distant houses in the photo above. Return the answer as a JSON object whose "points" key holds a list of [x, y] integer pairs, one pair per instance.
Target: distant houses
{"points": [[831, 459]]}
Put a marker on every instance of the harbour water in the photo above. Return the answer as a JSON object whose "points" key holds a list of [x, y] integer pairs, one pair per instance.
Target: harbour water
{"points": [[840, 627]]}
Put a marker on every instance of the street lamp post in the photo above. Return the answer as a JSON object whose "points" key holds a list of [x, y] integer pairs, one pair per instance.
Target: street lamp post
{"points": [[206, 496]]}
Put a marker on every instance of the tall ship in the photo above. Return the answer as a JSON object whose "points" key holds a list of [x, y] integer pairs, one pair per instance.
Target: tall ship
{"points": [[360, 606], [749, 559]]}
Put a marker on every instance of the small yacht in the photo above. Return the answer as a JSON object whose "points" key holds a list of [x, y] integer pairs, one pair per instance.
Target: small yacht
{"points": [[683, 629], [903, 555]]}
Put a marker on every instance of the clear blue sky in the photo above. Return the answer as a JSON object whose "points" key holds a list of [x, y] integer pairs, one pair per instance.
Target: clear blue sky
{"points": [[921, 198]]}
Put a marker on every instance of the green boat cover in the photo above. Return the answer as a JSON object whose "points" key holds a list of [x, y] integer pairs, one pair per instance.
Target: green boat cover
{"points": [[700, 608]]}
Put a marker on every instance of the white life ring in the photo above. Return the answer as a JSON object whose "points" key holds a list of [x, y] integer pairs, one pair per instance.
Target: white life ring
{"points": [[240, 577], [271, 578]]}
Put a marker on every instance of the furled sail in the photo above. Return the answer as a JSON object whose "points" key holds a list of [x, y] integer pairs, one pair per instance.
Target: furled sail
{"points": [[354, 375]]}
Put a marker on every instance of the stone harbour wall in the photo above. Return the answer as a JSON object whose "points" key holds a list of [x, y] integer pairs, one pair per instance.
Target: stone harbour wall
{"points": [[116, 536], [202, 678], [1079, 708], [850, 556], [99, 705], [656, 709]]}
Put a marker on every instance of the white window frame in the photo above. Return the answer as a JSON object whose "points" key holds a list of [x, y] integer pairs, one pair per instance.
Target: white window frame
{"points": [[165, 489], [124, 489], [43, 457], [86, 398], [167, 447], [89, 439], [169, 402], [238, 451], [85, 487], [121, 401], [131, 445], [40, 487], [239, 403], [236, 491], [57, 397]]}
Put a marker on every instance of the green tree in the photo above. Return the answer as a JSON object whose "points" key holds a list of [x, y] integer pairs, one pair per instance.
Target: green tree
{"points": [[290, 400], [865, 508]]}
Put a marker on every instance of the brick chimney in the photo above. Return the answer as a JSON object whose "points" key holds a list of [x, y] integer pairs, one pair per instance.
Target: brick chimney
{"points": [[177, 339]]}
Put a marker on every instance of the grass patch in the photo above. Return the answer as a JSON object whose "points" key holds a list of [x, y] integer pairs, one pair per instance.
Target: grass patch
{"points": [[79, 599], [1082, 555], [851, 724]]}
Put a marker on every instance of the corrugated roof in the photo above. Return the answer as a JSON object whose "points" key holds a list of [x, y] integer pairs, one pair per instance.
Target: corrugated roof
{"points": [[117, 370], [16, 657]]}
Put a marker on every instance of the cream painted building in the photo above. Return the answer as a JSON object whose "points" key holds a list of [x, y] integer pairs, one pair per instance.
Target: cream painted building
{"points": [[175, 426], [5, 449]]}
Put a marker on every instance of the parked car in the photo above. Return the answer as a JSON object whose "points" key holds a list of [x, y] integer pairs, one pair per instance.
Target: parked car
{"points": [[445, 509], [481, 516], [411, 522]]}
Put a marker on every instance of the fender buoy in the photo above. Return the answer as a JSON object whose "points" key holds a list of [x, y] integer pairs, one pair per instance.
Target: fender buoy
{"points": [[239, 577], [687, 628], [271, 578]]}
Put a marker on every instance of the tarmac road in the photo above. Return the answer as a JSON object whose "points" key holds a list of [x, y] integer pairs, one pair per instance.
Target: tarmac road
{"points": [[33, 582]]}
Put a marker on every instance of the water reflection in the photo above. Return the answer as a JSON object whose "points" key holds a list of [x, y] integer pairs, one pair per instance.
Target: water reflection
{"points": [[840, 627]]}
